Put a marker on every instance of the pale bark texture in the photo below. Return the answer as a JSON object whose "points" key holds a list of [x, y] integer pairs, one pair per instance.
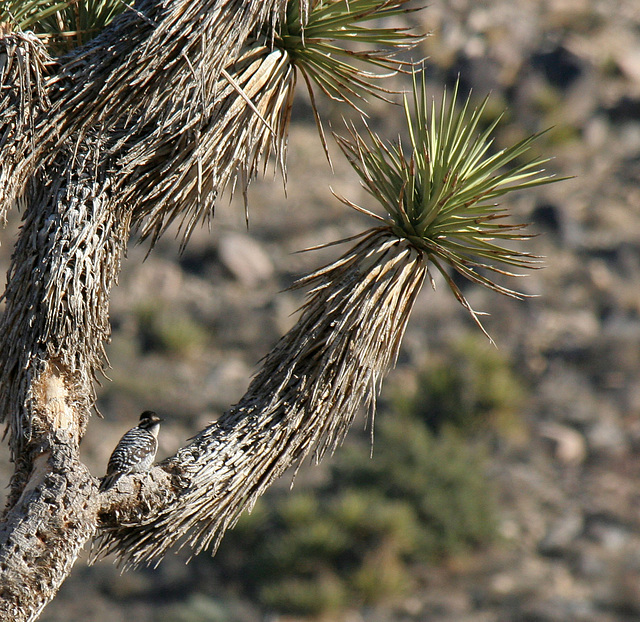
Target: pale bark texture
{"points": [[139, 127]]}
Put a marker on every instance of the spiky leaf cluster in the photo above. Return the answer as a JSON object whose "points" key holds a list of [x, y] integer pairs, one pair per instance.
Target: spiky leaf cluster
{"points": [[440, 193], [323, 48], [335, 47], [61, 24], [170, 156]]}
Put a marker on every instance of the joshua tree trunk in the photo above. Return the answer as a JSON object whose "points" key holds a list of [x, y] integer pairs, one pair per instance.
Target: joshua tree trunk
{"points": [[52, 334], [97, 144], [148, 123], [69, 139]]}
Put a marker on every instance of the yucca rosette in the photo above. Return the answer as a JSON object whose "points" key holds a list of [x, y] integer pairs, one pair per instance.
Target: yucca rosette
{"points": [[439, 192]]}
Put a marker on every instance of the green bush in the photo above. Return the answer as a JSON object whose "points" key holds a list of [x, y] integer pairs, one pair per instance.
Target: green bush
{"points": [[470, 387], [441, 479], [311, 595], [354, 539], [169, 331]]}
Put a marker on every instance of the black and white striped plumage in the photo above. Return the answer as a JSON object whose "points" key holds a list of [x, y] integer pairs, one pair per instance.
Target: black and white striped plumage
{"points": [[136, 450]]}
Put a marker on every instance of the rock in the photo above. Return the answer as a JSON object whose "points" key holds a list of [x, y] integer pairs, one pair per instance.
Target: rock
{"points": [[548, 216], [227, 381], [561, 534], [245, 258], [608, 532], [607, 437], [569, 446], [560, 66]]}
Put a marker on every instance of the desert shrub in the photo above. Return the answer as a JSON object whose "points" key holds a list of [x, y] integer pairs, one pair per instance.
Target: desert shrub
{"points": [[470, 387], [169, 331], [356, 538], [441, 478]]}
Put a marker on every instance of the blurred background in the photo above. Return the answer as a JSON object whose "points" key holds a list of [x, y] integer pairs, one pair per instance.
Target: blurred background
{"points": [[504, 482]]}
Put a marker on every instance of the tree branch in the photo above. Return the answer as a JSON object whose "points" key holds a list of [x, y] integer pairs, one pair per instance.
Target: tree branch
{"points": [[305, 397]]}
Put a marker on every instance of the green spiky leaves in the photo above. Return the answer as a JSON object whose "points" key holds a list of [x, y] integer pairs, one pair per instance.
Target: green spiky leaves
{"points": [[62, 24], [337, 45], [440, 193]]}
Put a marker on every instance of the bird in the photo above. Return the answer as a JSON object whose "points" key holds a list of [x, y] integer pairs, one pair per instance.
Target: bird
{"points": [[135, 451]]}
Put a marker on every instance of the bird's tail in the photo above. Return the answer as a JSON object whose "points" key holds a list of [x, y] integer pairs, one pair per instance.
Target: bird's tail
{"points": [[108, 481]]}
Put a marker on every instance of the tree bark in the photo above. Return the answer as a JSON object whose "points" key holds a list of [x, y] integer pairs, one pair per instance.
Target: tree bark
{"points": [[45, 530]]}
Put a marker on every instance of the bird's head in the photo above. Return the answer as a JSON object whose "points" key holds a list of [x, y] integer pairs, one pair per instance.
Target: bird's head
{"points": [[150, 421]]}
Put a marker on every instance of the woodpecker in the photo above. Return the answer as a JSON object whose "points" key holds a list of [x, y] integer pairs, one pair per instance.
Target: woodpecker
{"points": [[136, 450]]}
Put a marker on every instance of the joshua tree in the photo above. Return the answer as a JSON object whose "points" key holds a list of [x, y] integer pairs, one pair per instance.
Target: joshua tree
{"points": [[146, 123]]}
